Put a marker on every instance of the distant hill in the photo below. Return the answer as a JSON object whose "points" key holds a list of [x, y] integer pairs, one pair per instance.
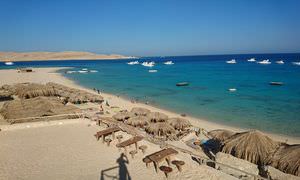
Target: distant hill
{"points": [[65, 55]]}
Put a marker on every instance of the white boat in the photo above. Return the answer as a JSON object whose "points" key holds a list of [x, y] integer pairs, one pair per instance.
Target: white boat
{"points": [[168, 63], [152, 71], [71, 72], [232, 61], [296, 63], [133, 63], [280, 62], [266, 61], [9, 63], [93, 71], [251, 60], [232, 89], [83, 71], [148, 64]]}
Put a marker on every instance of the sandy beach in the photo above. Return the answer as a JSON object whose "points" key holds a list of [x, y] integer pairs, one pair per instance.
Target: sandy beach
{"points": [[67, 149], [44, 75]]}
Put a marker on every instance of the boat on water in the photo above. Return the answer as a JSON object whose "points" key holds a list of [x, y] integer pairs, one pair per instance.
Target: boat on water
{"points": [[275, 83], [168, 63], [9, 63], [93, 71], [280, 62], [152, 71], [83, 71], [266, 61], [251, 60], [296, 63], [148, 64], [133, 63], [182, 84], [232, 61], [70, 72], [232, 89]]}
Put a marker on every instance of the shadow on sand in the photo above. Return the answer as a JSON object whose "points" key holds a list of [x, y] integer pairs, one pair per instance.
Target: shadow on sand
{"points": [[123, 171]]}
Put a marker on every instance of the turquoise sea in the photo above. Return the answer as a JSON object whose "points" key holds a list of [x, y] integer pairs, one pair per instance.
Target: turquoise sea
{"points": [[255, 104]]}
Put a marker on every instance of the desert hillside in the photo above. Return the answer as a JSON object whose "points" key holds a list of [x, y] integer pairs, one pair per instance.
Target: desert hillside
{"points": [[66, 55]]}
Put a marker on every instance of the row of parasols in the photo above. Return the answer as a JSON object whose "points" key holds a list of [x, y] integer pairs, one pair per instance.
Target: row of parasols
{"points": [[155, 123], [31, 90]]}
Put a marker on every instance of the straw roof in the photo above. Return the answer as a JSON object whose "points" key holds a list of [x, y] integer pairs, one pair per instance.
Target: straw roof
{"points": [[160, 128], [252, 146], [179, 123], [122, 116], [35, 107], [220, 134], [140, 121], [31, 90], [140, 111], [157, 117], [5, 95], [287, 159]]}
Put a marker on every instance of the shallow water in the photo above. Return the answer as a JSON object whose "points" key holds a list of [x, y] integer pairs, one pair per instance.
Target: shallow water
{"points": [[255, 104]]}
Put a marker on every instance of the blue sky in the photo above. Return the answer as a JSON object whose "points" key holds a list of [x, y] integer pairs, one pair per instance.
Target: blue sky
{"points": [[151, 27]]}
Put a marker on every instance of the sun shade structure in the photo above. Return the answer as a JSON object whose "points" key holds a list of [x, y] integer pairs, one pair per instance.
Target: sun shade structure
{"points": [[138, 121], [220, 134], [138, 111], [157, 117], [122, 116], [160, 129], [179, 123], [287, 159], [30, 90], [35, 107], [252, 146]]}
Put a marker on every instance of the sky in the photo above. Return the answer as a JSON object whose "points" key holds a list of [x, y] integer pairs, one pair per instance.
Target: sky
{"points": [[151, 27]]}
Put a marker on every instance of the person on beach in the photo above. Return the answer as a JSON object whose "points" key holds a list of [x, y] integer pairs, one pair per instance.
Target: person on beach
{"points": [[107, 104], [98, 91], [101, 108]]}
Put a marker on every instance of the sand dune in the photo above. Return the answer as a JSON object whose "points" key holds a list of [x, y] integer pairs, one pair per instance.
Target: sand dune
{"points": [[66, 55]]}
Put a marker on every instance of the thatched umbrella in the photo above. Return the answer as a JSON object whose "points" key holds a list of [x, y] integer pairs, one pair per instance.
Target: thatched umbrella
{"points": [[139, 121], [220, 134], [31, 90], [287, 159], [140, 111], [252, 146], [157, 117], [122, 116], [179, 123], [160, 129], [35, 107]]}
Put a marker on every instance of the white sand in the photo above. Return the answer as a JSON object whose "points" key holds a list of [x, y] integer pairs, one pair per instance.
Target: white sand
{"points": [[70, 151], [44, 75]]}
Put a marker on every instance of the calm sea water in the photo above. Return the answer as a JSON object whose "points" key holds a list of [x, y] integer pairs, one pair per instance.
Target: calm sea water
{"points": [[255, 104]]}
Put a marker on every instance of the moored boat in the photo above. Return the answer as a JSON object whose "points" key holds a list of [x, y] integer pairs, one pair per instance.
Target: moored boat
{"points": [[182, 84]]}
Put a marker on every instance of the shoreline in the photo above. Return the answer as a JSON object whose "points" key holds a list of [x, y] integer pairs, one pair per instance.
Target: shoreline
{"points": [[123, 103]]}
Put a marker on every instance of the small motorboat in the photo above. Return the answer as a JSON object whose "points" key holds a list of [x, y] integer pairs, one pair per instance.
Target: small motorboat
{"points": [[251, 60], [148, 64], [266, 61], [232, 61], [9, 63], [70, 72], [280, 62], [152, 71], [232, 89], [133, 63], [182, 84], [83, 71], [93, 71], [296, 63], [168, 63], [276, 83]]}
